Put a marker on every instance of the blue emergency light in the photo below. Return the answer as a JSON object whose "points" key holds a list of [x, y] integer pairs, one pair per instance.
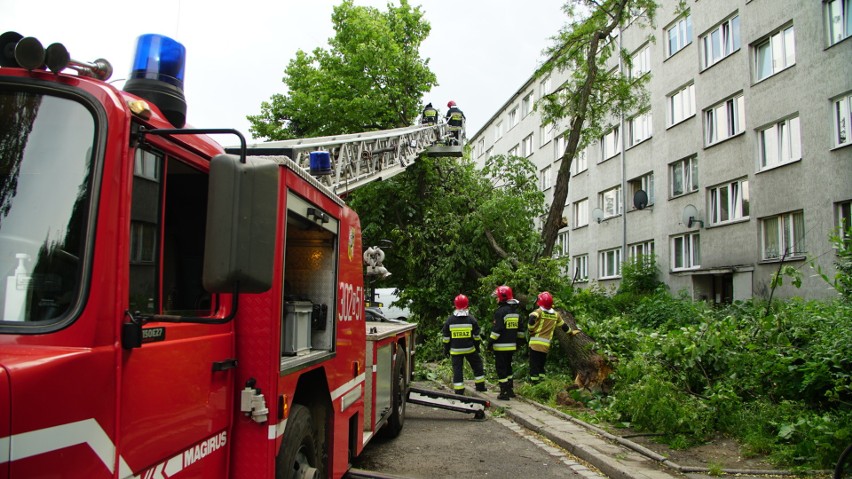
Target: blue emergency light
{"points": [[157, 75], [320, 163], [158, 57]]}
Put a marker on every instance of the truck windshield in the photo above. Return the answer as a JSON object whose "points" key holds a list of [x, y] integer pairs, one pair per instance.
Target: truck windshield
{"points": [[46, 147]]}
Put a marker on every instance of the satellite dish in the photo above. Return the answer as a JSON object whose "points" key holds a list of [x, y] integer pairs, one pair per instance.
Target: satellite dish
{"points": [[597, 214], [690, 216], [640, 199]]}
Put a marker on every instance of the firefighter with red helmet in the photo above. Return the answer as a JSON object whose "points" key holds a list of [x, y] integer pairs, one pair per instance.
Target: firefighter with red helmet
{"points": [[455, 120], [504, 339], [461, 341], [542, 322]]}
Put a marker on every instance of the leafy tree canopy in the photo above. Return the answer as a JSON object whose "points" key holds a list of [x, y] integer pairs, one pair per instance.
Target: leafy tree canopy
{"points": [[371, 78], [443, 219]]}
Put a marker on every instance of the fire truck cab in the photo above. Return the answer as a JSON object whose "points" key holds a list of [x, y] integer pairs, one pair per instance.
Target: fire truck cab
{"points": [[169, 310]]}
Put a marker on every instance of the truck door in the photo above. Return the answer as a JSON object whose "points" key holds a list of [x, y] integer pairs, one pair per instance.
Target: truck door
{"points": [[176, 393]]}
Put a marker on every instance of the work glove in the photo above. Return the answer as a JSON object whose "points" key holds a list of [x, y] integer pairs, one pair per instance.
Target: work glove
{"points": [[491, 345], [476, 346]]}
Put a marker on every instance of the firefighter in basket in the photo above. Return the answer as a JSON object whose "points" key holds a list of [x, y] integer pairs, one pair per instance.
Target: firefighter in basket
{"points": [[455, 121]]}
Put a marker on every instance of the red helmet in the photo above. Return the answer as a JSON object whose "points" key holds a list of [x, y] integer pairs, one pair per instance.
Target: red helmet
{"points": [[460, 302], [451, 104], [503, 293], [545, 300]]}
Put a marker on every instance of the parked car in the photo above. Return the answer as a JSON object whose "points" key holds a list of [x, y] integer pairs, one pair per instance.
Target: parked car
{"points": [[385, 299]]}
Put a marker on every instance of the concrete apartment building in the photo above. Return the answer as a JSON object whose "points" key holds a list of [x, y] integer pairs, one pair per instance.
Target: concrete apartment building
{"points": [[748, 133]]}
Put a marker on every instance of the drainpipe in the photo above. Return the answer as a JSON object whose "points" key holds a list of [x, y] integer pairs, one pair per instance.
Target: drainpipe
{"points": [[623, 164]]}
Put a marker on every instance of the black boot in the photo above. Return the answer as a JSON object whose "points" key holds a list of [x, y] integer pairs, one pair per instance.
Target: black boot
{"points": [[460, 392], [504, 392], [510, 388], [481, 387]]}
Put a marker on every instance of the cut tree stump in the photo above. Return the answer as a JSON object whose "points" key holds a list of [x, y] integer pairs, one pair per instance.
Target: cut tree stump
{"points": [[591, 368]]}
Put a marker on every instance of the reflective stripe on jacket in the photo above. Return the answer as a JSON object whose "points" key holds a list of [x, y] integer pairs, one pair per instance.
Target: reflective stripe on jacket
{"points": [[544, 322], [461, 332], [504, 332]]}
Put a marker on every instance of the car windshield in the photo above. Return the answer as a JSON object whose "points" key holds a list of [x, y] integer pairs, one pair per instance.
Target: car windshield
{"points": [[46, 147]]}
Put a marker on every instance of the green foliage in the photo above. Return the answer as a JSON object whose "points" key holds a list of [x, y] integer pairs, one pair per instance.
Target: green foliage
{"points": [[443, 220], [371, 77], [640, 275], [842, 281]]}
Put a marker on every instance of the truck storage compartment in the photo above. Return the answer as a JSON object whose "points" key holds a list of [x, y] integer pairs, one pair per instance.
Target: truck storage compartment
{"points": [[296, 330]]}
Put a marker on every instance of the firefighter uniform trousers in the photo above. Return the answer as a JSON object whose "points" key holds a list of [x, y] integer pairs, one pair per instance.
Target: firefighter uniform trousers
{"points": [[461, 340], [504, 342], [542, 324]]}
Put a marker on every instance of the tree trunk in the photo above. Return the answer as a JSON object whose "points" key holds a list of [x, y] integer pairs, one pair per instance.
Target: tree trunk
{"points": [[591, 368]]}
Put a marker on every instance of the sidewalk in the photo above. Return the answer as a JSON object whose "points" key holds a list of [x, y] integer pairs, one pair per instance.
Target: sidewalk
{"points": [[615, 457]]}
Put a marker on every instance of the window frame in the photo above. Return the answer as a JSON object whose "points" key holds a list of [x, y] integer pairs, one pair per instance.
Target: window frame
{"points": [[545, 178], [615, 134], [645, 183], [684, 34], [690, 251], [645, 122], [845, 20], [775, 139], [581, 213], [689, 176], [581, 262], [581, 160], [842, 120], [527, 104], [609, 268], [729, 199], [776, 44], [617, 202], [642, 57], [527, 146], [786, 230], [734, 120], [672, 100], [646, 253], [729, 43], [513, 117]]}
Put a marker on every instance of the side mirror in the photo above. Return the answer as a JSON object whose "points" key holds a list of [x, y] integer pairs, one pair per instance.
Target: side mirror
{"points": [[241, 222]]}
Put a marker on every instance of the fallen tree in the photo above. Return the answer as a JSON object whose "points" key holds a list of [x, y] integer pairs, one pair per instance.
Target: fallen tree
{"points": [[591, 368]]}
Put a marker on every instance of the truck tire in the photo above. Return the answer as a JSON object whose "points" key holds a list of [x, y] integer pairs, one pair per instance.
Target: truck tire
{"points": [[298, 458], [397, 417]]}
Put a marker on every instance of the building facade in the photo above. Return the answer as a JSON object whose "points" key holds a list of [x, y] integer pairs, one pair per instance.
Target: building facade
{"points": [[742, 163]]}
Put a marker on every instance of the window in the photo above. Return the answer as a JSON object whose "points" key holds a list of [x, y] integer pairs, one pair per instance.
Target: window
{"points": [[513, 117], [143, 242], [838, 19], [720, 42], [640, 63], [581, 267], [498, 131], [783, 236], [775, 53], [527, 105], [729, 202], [610, 202], [546, 177], [514, 150], [609, 263], [684, 176], [581, 213], [581, 163], [644, 183], [545, 134], [639, 128], [681, 104], [724, 120], [527, 146], [679, 35], [843, 215], [779, 143], [489, 152], [561, 247], [610, 144], [686, 252], [559, 147], [480, 147], [641, 251], [544, 87], [842, 120]]}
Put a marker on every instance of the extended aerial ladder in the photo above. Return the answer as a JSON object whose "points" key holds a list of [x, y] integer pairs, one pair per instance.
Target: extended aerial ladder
{"points": [[347, 162]]}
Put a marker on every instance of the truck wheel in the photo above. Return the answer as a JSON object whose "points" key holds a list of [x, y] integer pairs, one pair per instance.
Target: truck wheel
{"points": [[397, 417], [298, 458]]}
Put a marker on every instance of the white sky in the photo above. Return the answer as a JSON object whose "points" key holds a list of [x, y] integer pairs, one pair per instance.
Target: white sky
{"points": [[482, 51]]}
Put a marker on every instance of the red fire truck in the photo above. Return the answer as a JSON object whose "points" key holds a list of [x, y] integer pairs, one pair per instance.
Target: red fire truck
{"points": [[171, 310]]}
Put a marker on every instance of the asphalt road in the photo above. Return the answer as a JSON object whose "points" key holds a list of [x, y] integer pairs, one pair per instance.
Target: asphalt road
{"points": [[436, 443]]}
